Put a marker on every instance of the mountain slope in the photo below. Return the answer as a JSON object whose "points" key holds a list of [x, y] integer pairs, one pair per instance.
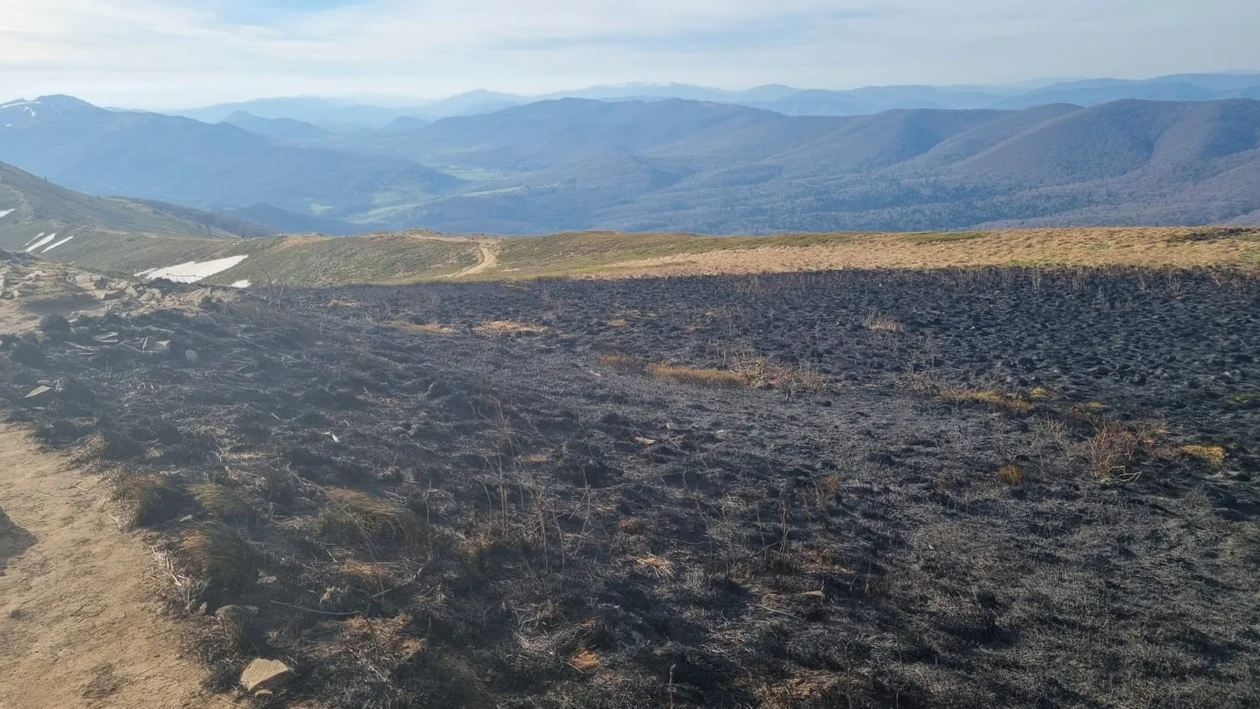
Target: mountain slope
{"points": [[1128, 162], [181, 160], [286, 129]]}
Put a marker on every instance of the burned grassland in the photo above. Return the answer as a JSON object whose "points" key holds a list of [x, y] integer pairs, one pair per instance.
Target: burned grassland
{"points": [[964, 488]]}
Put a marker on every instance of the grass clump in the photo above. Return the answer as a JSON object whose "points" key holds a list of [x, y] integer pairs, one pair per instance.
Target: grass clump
{"points": [[353, 516], [223, 502], [505, 327], [1214, 456], [425, 328], [761, 372], [992, 397], [584, 660], [221, 556], [1010, 474], [1115, 447], [622, 363], [655, 565], [879, 323], [693, 375], [148, 499]]}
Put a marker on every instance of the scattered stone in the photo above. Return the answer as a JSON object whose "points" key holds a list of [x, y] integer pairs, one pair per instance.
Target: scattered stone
{"points": [[265, 675]]}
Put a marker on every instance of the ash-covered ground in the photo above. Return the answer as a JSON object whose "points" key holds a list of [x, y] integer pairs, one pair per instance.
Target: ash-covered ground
{"points": [[861, 489]]}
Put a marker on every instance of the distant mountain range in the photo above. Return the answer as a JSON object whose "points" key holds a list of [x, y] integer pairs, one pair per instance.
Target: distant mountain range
{"points": [[671, 164], [788, 100]]}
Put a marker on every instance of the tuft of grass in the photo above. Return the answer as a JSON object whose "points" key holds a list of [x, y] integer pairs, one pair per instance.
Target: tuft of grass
{"points": [[1011, 474], [1214, 456], [148, 499], [426, 328], [221, 556], [761, 372], [584, 660], [223, 502], [505, 327], [878, 323], [372, 575], [995, 398], [692, 375], [655, 565], [353, 516], [620, 362], [1115, 446]]}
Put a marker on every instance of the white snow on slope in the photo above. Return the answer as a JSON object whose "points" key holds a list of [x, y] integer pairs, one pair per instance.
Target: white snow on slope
{"points": [[59, 243], [5, 212], [241, 284], [42, 242], [192, 271], [41, 235], [19, 102]]}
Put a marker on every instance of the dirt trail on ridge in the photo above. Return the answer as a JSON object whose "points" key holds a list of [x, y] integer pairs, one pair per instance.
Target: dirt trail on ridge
{"points": [[80, 622]]}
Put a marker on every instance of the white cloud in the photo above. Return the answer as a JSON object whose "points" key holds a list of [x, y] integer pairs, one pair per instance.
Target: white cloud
{"points": [[179, 52]]}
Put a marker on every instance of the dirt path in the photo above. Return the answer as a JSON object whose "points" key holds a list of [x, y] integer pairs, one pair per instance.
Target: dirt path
{"points": [[487, 258], [79, 619], [80, 622]]}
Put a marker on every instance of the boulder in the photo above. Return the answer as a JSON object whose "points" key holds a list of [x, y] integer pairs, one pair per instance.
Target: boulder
{"points": [[265, 675]]}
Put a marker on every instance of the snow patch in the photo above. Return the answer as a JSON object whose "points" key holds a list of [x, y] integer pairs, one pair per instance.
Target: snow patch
{"points": [[41, 235], [193, 271], [42, 242], [6, 212], [59, 243], [19, 102], [242, 284]]}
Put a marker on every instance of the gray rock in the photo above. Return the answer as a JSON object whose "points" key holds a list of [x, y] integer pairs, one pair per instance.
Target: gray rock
{"points": [[265, 675]]}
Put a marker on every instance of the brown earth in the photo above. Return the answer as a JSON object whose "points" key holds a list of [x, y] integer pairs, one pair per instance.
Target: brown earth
{"points": [[80, 601]]}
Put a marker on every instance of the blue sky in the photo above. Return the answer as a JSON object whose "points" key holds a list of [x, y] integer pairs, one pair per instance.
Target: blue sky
{"points": [[177, 53]]}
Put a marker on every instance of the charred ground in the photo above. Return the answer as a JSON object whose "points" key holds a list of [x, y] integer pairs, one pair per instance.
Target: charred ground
{"points": [[919, 489]]}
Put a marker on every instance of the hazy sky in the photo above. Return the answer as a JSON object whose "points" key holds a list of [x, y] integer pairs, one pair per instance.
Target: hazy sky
{"points": [[178, 53]]}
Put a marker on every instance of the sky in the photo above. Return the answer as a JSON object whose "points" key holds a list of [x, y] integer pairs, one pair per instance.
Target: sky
{"points": [[184, 53]]}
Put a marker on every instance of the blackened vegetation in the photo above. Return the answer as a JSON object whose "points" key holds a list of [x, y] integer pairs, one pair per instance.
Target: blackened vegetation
{"points": [[987, 504]]}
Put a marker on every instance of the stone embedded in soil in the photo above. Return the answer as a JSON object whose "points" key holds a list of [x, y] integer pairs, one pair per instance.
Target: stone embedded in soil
{"points": [[265, 675]]}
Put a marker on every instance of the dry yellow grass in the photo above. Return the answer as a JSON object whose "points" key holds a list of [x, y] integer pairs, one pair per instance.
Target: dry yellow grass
{"points": [[353, 516], [584, 660], [506, 327], [1011, 474], [622, 362], [370, 574], [693, 375], [1156, 247], [996, 398], [655, 565], [426, 328], [878, 323], [1212, 455], [761, 372]]}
